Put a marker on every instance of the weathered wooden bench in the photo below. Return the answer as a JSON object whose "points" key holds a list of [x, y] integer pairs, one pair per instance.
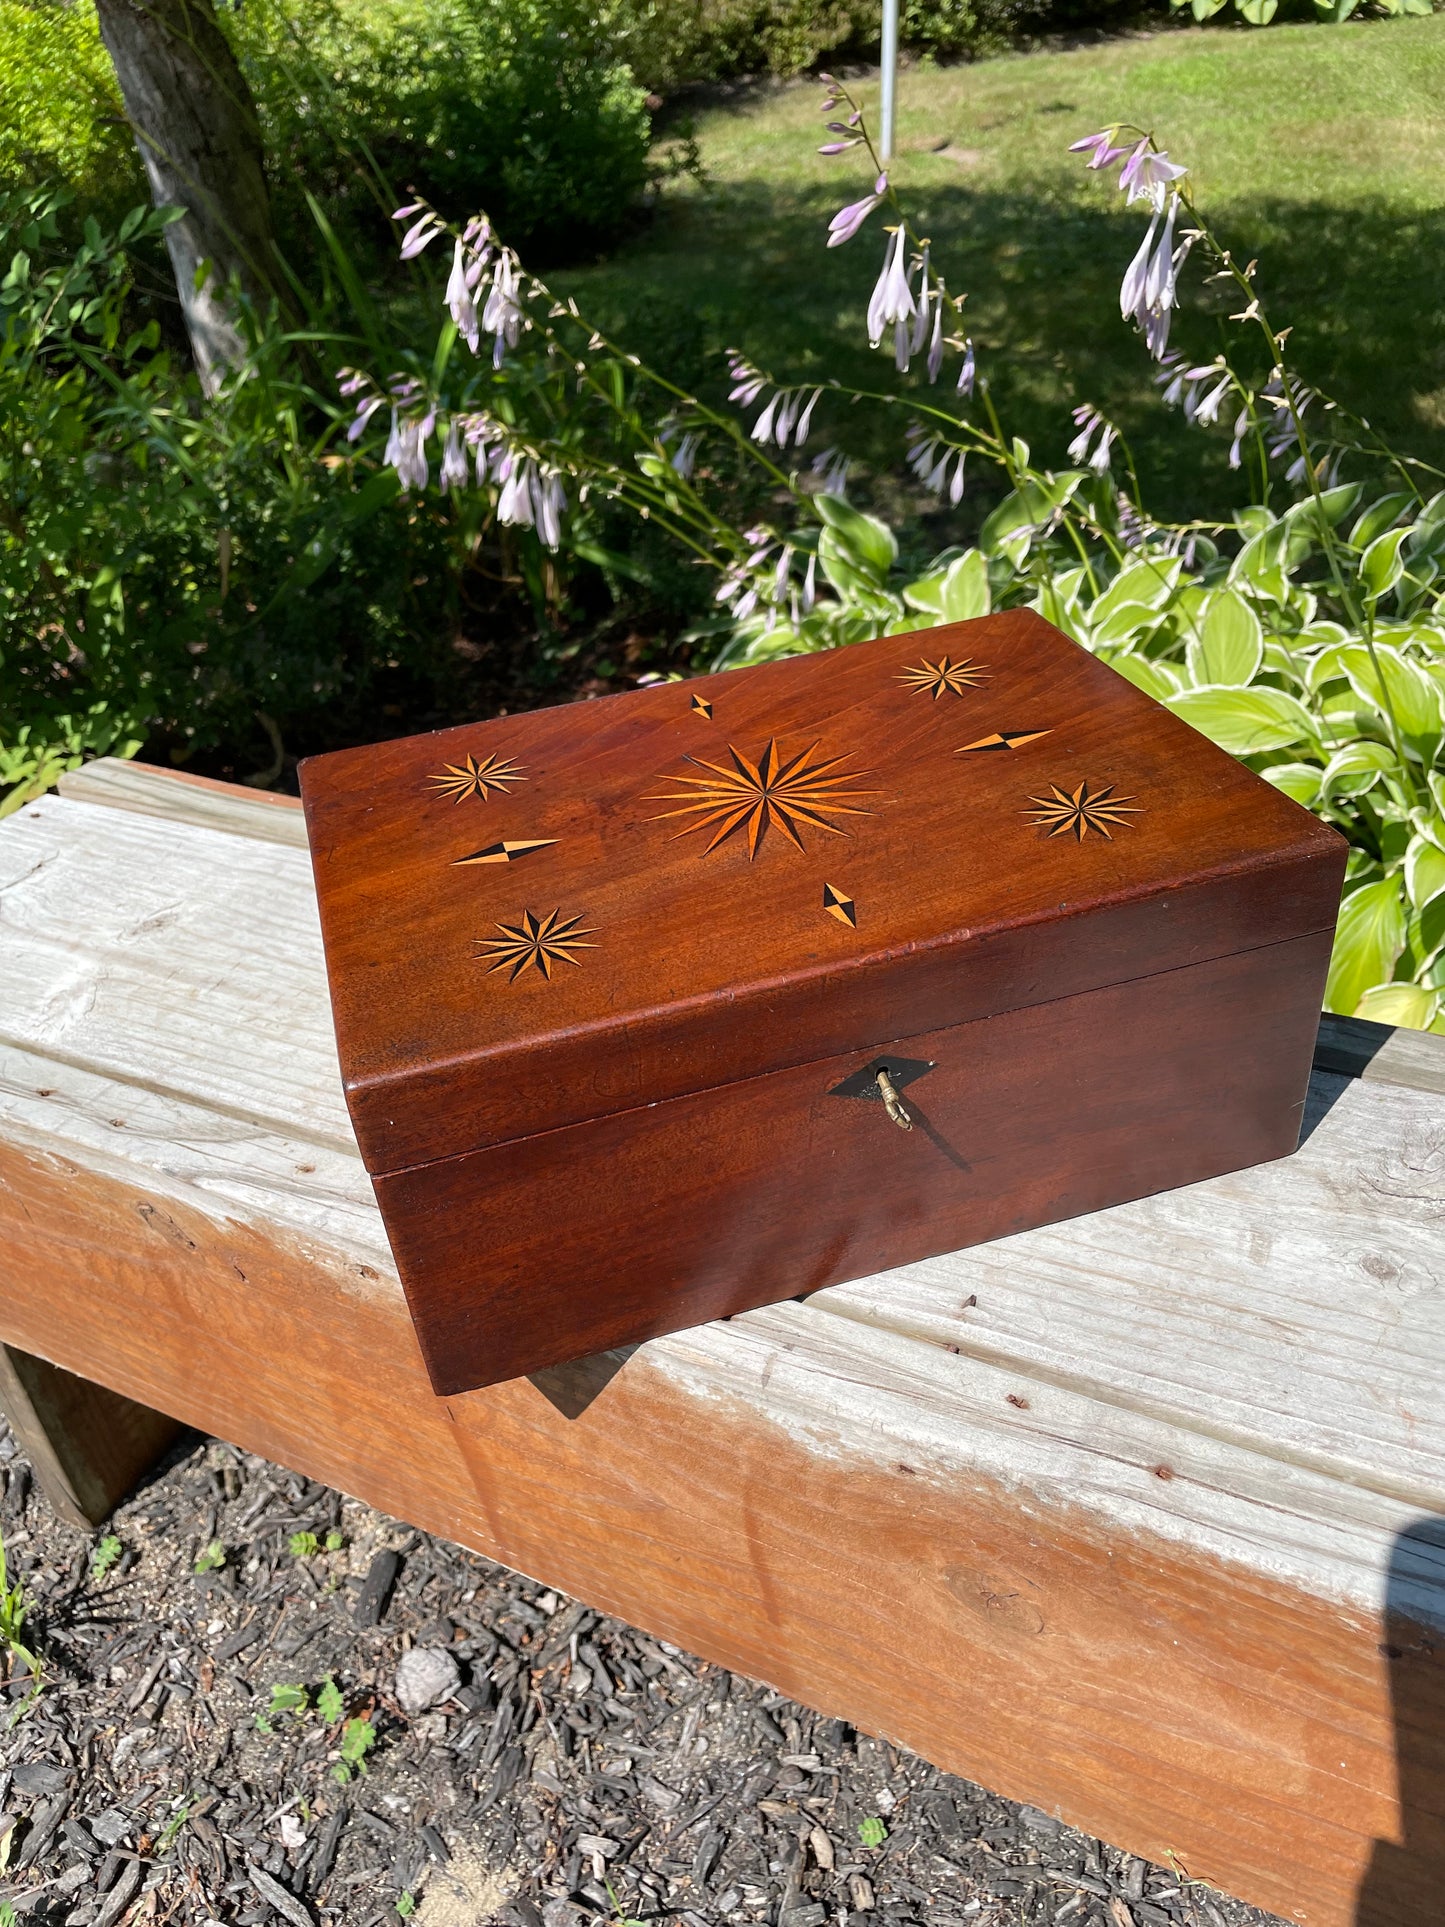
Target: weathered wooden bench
{"points": [[1138, 1518]]}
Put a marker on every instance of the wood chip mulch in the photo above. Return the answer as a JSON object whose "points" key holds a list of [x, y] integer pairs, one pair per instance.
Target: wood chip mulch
{"points": [[466, 1747]]}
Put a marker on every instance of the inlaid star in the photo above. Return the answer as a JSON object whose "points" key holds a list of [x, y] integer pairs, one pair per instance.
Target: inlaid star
{"points": [[1075, 813], [769, 793], [944, 676], [471, 778], [538, 942]]}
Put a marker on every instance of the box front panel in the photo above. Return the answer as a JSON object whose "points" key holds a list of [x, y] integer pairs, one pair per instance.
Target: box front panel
{"points": [[552, 1247]]}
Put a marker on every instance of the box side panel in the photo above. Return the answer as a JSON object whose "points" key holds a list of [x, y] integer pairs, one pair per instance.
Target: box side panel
{"points": [[648, 1221], [691, 1045]]}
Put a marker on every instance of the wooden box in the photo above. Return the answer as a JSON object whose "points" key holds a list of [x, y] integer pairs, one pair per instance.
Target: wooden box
{"points": [[613, 983]]}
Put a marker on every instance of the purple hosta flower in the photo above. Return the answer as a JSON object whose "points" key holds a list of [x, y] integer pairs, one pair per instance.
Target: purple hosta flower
{"points": [[810, 584], [840, 146], [455, 472], [404, 389], [351, 381], [683, 458], [406, 448], [1100, 148], [748, 382], [1134, 531], [1189, 388], [1083, 448], [421, 234], [365, 409], [929, 456], [892, 299], [847, 221], [460, 305], [1149, 290], [1148, 175], [502, 316], [532, 497], [968, 373], [831, 467], [1236, 447], [787, 414]]}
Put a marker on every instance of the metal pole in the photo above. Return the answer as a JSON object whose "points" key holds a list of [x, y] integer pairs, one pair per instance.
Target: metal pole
{"points": [[889, 78]]}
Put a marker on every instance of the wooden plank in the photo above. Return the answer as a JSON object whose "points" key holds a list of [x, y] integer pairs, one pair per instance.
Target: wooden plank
{"points": [[88, 1446], [1148, 1508], [1382, 1053], [179, 797]]}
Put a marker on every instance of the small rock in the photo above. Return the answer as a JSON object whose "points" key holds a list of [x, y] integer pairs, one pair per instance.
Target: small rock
{"points": [[425, 1677], [73, 1879]]}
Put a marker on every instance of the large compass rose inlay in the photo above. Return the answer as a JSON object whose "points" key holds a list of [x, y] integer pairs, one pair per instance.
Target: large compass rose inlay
{"points": [[772, 793]]}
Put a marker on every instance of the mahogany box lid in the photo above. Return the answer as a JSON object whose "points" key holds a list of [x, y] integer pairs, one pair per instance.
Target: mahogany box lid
{"points": [[573, 912]]}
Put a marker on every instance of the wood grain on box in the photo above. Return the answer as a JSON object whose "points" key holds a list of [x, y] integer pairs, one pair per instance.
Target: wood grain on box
{"points": [[597, 969]]}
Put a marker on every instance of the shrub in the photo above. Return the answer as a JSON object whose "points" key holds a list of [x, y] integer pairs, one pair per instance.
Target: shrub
{"points": [[527, 104]]}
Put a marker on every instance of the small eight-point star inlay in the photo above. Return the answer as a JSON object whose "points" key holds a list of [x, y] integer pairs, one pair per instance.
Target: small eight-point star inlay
{"points": [[944, 677], [473, 778], [1076, 812], [535, 942]]}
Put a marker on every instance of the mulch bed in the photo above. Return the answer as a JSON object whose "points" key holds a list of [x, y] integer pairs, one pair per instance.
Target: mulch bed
{"points": [[567, 1769]]}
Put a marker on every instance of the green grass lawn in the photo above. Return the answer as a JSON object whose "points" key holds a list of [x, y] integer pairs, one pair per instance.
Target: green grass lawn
{"points": [[1319, 149]]}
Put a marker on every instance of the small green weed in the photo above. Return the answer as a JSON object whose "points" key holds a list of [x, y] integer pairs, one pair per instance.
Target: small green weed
{"points": [[169, 1833], [620, 1918], [329, 1702], [105, 1556], [872, 1831], [289, 1699], [406, 1904], [14, 1611], [213, 1558], [358, 1737], [7, 1914], [306, 1545]]}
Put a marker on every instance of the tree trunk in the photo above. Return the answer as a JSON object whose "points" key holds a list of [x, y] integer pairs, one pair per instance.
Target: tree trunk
{"points": [[195, 124]]}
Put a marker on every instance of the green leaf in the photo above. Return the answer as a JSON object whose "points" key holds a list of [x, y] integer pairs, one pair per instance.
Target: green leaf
{"points": [[1258, 13], [867, 542], [871, 1831], [1382, 565], [1369, 937], [357, 1739], [1301, 781], [1379, 516], [213, 1558], [1156, 679], [304, 1545], [1230, 645], [1150, 584], [1410, 1005], [1413, 696], [1245, 721], [329, 1701], [955, 594], [1357, 768], [1425, 869], [104, 1556], [288, 1699]]}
